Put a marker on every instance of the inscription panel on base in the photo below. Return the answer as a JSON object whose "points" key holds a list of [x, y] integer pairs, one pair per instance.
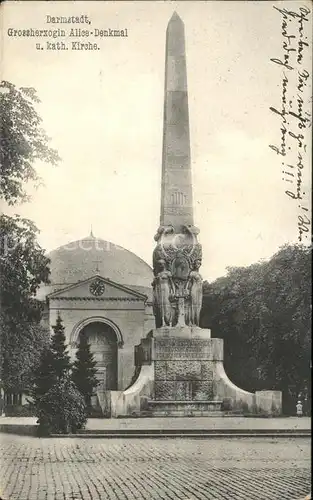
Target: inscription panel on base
{"points": [[189, 349]]}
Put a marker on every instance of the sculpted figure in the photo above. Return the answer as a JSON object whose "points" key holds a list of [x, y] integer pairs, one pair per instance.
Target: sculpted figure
{"points": [[187, 311], [163, 230], [163, 289], [159, 233], [180, 267], [194, 287], [189, 229]]}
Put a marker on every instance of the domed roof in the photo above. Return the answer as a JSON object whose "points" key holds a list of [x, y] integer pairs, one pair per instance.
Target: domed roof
{"points": [[81, 259]]}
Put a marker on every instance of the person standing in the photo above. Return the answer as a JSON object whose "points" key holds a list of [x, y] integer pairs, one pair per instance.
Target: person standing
{"points": [[1, 406], [299, 408]]}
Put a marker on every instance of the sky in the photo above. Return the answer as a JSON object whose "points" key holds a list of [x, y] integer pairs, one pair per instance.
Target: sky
{"points": [[103, 111]]}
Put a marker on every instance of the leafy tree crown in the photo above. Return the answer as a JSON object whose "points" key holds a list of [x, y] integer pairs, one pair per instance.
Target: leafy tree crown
{"points": [[23, 141]]}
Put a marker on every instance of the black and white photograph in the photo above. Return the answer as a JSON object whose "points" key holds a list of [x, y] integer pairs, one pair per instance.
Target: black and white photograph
{"points": [[155, 250]]}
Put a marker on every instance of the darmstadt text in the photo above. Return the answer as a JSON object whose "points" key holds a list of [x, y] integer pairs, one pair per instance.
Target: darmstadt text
{"points": [[83, 19]]}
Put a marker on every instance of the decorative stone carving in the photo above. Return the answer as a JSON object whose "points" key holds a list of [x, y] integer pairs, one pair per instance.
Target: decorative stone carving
{"points": [[163, 231], [194, 291], [163, 290], [178, 198], [177, 285], [189, 229]]}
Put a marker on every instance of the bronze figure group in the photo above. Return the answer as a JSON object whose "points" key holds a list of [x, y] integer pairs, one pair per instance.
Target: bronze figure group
{"points": [[169, 287]]}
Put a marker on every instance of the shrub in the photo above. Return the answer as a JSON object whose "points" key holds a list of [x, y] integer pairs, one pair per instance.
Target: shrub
{"points": [[62, 409]]}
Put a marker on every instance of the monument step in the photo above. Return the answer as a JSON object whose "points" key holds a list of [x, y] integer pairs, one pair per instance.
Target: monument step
{"points": [[182, 413], [184, 408]]}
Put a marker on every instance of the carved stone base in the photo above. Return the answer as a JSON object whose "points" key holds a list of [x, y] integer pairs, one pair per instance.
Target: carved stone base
{"points": [[181, 373], [185, 408], [183, 369]]}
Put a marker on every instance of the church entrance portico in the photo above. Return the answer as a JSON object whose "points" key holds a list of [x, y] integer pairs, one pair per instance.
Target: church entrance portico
{"points": [[103, 345], [104, 338]]}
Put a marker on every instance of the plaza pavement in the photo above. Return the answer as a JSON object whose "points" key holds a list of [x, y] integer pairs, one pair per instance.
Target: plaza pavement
{"points": [[161, 469]]}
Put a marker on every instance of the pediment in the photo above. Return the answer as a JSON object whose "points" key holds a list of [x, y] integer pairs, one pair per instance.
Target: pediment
{"points": [[97, 288]]}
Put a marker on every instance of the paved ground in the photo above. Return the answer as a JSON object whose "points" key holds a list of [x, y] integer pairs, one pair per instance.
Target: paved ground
{"points": [[183, 423], [183, 469]]}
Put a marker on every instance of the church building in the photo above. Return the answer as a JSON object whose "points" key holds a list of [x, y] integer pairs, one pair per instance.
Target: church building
{"points": [[103, 291]]}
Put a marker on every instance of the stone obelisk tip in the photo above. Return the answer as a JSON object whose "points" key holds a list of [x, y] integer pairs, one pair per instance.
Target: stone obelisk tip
{"points": [[175, 17]]}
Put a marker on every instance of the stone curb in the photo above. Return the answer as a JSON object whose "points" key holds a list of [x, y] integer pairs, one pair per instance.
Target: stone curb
{"points": [[31, 430], [181, 435]]}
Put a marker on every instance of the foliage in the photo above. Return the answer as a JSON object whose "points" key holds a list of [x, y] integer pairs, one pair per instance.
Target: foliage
{"points": [[84, 370], [23, 141], [21, 349], [59, 405], [54, 364], [263, 313], [61, 360], [23, 267], [62, 409], [44, 376], [23, 264]]}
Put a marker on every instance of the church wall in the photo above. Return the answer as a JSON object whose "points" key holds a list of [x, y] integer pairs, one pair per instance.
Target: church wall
{"points": [[128, 316], [132, 335], [149, 319]]}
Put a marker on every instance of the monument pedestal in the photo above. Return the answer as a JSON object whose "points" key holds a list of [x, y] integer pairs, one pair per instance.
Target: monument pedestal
{"points": [[181, 373], [184, 371]]}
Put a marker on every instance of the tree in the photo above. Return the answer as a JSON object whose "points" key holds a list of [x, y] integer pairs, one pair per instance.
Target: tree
{"points": [[84, 370], [44, 376], [23, 264], [54, 363], [21, 352], [23, 267], [60, 358], [53, 369], [59, 405], [23, 141], [263, 312]]}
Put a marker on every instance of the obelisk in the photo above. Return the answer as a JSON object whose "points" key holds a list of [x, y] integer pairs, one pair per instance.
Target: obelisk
{"points": [[179, 366], [177, 257], [176, 193]]}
